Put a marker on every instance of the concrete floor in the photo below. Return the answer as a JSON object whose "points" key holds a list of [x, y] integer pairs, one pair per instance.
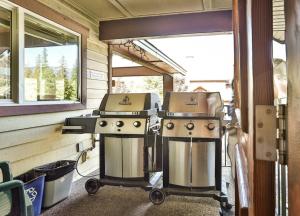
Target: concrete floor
{"points": [[120, 201], [117, 201]]}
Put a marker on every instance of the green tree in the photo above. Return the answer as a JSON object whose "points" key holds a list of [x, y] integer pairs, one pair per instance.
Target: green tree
{"points": [[69, 88], [49, 76], [154, 83], [37, 74], [28, 73], [180, 84], [62, 69], [74, 81]]}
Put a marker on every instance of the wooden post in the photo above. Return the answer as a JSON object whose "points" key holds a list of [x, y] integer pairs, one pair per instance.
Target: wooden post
{"points": [[260, 88], [240, 60], [109, 72], [293, 71], [167, 83]]}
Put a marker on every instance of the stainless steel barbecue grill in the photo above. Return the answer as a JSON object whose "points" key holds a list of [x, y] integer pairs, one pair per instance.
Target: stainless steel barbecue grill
{"points": [[128, 125], [191, 131]]}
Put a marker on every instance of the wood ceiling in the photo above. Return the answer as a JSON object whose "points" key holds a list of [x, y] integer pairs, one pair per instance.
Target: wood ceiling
{"points": [[120, 9]]}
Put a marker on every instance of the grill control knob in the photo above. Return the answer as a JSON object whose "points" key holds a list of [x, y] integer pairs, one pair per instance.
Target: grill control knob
{"points": [[120, 123], [102, 123], [190, 126], [211, 126], [170, 125], [137, 124]]}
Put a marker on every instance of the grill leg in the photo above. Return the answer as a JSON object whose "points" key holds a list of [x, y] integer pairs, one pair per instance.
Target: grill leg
{"points": [[165, 162], [218, 169]]}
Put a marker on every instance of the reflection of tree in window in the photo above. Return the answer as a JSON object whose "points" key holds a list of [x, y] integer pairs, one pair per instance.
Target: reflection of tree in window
{"points": [[49, 77], [5, 53], [52, 82], [51, 62]]}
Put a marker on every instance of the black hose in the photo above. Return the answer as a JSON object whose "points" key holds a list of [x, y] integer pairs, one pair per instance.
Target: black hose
{"points": [[76, 165]]}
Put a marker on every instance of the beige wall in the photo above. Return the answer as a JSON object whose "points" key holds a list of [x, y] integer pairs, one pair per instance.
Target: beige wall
{"points": [[33, 140]]}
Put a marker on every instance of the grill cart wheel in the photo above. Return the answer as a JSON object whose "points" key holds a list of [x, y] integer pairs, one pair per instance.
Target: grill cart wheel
{"points": [[157, 196], [92, 186], [226, 206]]}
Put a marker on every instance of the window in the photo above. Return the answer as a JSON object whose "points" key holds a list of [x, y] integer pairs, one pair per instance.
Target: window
{"points": [[42, 60], [5, 54], [51, 62]]}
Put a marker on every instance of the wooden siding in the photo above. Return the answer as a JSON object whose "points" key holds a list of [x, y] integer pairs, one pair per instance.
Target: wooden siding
{"points": [[32, 140]]}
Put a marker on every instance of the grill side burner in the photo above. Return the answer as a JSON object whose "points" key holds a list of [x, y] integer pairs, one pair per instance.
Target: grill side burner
{"points": [[128, 124], [191, 131]]}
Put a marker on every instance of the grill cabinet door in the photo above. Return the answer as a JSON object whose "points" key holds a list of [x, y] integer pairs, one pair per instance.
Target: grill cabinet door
{"points": [[203, 164], [113, 156], [133, 157], [179, 163]]}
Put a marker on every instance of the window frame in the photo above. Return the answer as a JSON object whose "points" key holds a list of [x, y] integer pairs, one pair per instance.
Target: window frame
{"points": [[17, 105], [21, 82], [10, 8]]}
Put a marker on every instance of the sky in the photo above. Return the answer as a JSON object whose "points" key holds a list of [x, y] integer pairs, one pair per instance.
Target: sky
{"points": [[203, 57]]}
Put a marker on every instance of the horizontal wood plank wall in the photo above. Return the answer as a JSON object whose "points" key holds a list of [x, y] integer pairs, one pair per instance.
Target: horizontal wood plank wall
{"points": [[33, 140]]}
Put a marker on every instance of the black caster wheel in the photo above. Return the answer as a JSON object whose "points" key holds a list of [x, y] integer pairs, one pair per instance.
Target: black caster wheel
{"points": [[221, 212], [226, 206], [157, 196], [92, 186]]}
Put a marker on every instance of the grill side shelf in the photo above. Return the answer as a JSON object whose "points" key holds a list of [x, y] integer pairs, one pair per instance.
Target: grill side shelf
{"points": [[79, 125]]}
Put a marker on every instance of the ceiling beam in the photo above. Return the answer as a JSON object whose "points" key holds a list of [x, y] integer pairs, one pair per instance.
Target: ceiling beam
{"points": [[133, 71], [125, 54], [167, 25]]}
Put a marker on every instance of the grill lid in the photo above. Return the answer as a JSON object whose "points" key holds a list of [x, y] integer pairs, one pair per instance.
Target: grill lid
{"points": [[193, 103], [130, 102]]}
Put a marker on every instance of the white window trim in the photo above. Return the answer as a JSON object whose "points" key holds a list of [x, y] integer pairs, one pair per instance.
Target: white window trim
{"points": [[18, 57]]}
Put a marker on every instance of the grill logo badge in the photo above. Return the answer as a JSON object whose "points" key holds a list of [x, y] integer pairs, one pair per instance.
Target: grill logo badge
{"points": [[125, 101], [192, 101]]}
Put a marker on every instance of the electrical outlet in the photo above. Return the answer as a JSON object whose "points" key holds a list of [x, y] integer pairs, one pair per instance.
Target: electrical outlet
{"points": [[79, 147]]}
